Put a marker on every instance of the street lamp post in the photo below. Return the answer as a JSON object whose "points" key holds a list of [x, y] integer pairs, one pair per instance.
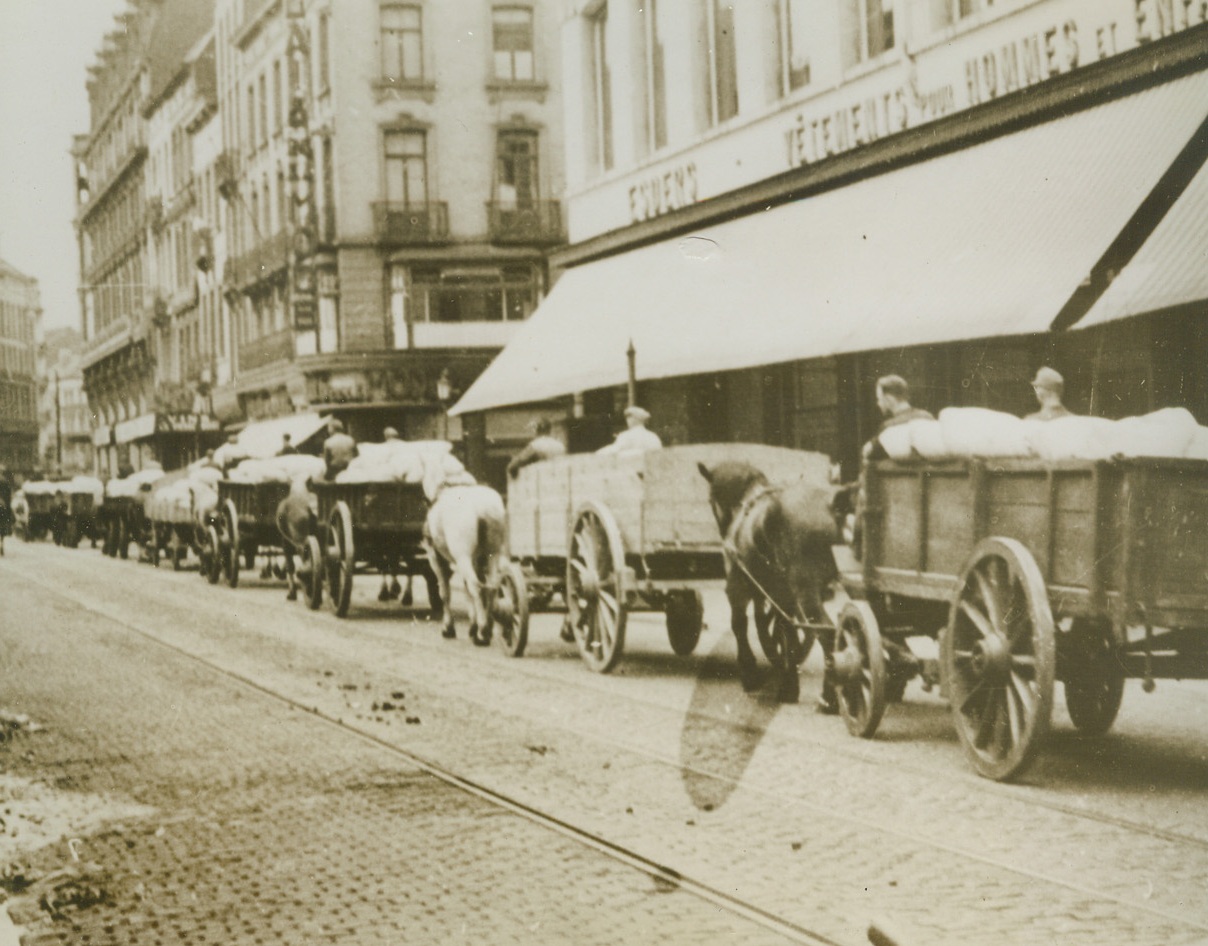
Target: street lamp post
{"points": [[58, 427], [444, 394]]}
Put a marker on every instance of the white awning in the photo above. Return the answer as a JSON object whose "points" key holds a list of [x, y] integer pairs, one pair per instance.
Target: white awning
{"points": [[102, 436], [137, 428], [992, 240], [1171, 267], [264, 438]]}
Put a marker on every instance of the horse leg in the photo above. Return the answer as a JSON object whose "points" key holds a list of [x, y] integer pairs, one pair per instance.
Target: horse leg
{"points": [[739, 596], [383, 594], [291, 576], [407, 599], [444, 574], [479, 632]]}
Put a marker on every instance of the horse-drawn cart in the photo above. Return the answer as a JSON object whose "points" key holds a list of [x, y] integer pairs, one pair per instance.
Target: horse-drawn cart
{"points": [[1086, 572], [243, 527], [624, 533], [375, 526]]}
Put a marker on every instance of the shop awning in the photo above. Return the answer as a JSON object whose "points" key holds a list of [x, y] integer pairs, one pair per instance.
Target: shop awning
{"points": [[992, 240], [137, 428], [1171, 267], [263, 439], [102, 436]]}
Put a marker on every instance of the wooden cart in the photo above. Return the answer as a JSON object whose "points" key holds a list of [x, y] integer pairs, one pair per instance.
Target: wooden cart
{"points": [[244, 527], [121, 520], [375, 527], [1083, 572], [616, 534]]}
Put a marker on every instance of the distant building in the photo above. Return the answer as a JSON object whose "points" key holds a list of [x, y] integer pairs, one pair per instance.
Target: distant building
{"points": [[64, 417], [20, 312]]}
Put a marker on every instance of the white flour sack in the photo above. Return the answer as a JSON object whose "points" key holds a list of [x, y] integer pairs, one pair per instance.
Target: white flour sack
{"points": [[896, 441], [1165, 433], [979, 432], [1198, 449], [1071, 438], [927, 438]]}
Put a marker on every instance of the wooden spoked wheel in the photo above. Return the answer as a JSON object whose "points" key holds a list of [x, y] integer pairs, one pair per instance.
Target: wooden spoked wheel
{"points": [[595, 587], [123, 537], [1094, 678], [310, 572], [230, 546], [211, 565], [859, 669], [152, 547], [768, 630], [341, 559], [998, 658], [685, 618], [511, 610]]}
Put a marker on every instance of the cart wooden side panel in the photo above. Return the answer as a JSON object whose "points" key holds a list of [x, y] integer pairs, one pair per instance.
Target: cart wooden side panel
{"points": [[376, 508], [659, 499]]}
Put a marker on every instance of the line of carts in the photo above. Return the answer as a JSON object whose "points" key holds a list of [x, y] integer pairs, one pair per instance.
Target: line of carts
{"points": [[1022, 573]]}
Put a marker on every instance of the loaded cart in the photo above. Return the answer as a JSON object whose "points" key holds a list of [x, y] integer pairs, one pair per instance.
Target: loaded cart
{"points": [[244, 527], [614, 534], [376, 526], [1087, 572]]}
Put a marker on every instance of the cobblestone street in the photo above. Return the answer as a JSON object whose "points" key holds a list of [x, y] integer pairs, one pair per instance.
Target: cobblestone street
{"points": [[242, 751]]}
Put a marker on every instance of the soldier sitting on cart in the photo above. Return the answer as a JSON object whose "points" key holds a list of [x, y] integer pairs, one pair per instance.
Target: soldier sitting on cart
{"points": [[1050, 389], [541, 447], [339, 449], [635, 438]]}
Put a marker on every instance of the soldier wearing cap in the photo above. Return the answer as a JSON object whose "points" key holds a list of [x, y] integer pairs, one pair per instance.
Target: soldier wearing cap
{"points": [[636, 438], [1049, 387]]}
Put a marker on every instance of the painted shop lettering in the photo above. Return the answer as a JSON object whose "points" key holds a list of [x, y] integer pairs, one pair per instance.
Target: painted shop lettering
{"points": [[1022, 62], [1158, 18], [669, 191]]}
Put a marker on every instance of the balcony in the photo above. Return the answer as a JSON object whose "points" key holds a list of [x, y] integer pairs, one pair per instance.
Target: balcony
{"points": [[535, 222], [412, 224], [258, 263], [267, 350]]}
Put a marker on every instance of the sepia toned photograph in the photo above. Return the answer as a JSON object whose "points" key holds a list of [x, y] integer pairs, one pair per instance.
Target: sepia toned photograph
{"points": [[603, 472]]}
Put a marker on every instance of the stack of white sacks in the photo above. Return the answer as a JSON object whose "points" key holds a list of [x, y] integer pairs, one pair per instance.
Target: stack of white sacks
{"points": [[401, 461], [976, 431], [135, 483], [186, 499], [286, 469]]}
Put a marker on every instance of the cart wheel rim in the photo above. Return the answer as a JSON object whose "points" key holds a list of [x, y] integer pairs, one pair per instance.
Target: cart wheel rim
{"points": [[685, 613], [342, 561], [999, 657], [511, 613], [858, 665], [230, 523], [310, 574], [595, 583]]}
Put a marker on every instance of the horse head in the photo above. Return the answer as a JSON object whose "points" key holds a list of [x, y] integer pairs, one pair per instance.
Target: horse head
{"points": [[729, 484]]}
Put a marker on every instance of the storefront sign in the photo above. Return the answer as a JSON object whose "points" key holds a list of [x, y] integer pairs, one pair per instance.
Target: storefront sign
{"points": [[655, 196], [186, 423], [102, 436]]}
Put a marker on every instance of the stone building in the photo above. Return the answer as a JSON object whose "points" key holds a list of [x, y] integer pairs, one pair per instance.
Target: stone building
{"points": [[64, 416], [776, 202], [20, 314], [391, 181]]}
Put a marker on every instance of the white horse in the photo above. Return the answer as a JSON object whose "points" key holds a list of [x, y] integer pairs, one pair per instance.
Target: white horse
{"points": [[466, 529]]}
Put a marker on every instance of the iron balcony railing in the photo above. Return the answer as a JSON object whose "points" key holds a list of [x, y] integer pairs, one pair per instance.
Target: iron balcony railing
{"points": [[426, 222], [536, 221]]}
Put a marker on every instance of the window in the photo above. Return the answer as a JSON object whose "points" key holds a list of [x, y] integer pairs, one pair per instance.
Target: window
{"points": [[654, 84], [512, 32], [406, 167], [402, 43], [516, 168], [263, 109], [324, 57], [475, 294], [329, 191], [794, 19], [947, 12], [277, 96], [867, 27], [251, 117], [601, 91], [719, 71]]}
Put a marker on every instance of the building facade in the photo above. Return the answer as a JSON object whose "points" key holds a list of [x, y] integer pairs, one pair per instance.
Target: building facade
{"points": [[20, 314], [391, 175], [120, 228], [797, 196], [64, 416]]}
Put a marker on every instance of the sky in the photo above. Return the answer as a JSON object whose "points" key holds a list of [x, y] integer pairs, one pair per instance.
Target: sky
{"points": [[45, 49]]}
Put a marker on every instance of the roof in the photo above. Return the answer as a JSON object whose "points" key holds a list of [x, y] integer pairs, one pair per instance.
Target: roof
{"points": [[7, 269], [989, 241], [1171, 267], [179, 26]]}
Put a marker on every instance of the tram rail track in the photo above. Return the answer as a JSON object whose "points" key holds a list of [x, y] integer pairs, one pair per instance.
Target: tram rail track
{"points": [[664, 874]]}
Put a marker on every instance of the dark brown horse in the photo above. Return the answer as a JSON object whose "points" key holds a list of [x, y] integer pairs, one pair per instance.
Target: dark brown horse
{"points": [[778, 546]]}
